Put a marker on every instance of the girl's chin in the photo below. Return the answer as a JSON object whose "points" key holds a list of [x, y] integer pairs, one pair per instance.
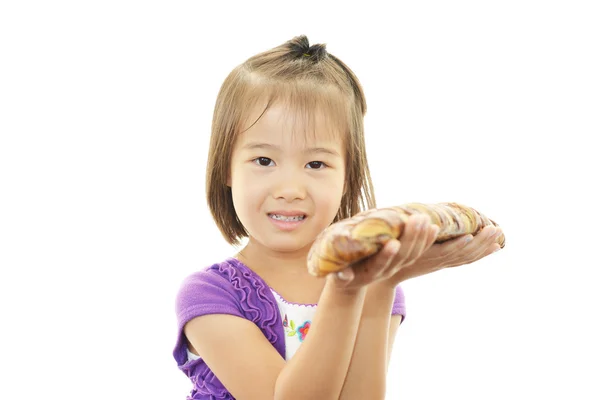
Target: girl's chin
{"points": [[286, 245]]}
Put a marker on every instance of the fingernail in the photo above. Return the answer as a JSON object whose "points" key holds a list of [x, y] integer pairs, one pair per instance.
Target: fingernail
{"points": [[395, 246], [420, 223], [468, 239], [342, 276]]}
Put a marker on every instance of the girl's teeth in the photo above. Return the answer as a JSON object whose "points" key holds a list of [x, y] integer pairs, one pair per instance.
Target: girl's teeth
{"points": [[284, 218]]}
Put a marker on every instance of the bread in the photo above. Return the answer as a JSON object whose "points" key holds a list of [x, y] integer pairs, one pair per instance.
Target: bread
{"points": [[364, 234]]}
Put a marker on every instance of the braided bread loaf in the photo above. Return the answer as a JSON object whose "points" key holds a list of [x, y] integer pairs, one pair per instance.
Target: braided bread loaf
{"points": [[365, 233]]}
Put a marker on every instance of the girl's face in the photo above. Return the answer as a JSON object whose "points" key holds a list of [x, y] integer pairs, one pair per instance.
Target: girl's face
{"points": [[277, 177]]}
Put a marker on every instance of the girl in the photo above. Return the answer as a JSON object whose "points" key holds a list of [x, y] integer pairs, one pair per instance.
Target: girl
{"points": [[287, 158]]}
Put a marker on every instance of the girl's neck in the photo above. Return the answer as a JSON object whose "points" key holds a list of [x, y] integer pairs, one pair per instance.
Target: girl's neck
{"points": [[260, 258]]}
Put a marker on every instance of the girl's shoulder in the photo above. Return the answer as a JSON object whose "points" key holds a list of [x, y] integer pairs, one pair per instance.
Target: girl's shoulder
{"points": [[226, 282], [228, 287]]}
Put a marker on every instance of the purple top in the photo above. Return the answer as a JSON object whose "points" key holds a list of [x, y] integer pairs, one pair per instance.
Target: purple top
{"points": [[230, 287]]}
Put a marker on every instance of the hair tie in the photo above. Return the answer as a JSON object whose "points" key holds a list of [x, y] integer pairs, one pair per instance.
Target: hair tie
{"points": [[299, 48]]}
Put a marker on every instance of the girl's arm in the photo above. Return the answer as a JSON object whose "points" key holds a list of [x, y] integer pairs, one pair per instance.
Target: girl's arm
{"points": [[249, 367], [319, 366], [366, 376]]}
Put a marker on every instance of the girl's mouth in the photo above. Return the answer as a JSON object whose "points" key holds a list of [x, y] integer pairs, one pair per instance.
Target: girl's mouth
{"points": [[286, 218], [287, 222]]}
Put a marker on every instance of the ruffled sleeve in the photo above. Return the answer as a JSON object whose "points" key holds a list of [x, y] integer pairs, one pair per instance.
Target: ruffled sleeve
{"points": [[224, 288], [202, 293], [399, 307]]}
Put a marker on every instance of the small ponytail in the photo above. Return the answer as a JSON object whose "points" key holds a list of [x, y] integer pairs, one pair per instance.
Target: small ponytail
{"points": [[300, 48]]}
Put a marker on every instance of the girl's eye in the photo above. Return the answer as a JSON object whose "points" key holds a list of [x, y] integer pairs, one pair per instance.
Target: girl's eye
{"points": [[263, 161], [267, 162], [316, 164]]}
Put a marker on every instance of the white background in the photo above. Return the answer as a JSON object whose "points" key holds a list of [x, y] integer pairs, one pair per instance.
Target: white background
{"points": [[105, 112]]}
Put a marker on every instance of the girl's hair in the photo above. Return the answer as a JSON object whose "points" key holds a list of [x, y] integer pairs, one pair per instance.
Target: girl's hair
{"points": [[303, 78]]}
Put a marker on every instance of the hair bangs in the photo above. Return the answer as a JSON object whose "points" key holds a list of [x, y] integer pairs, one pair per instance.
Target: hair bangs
{"points": [[311, 110]]}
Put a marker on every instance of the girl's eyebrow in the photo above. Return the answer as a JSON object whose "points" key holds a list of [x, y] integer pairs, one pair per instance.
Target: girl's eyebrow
{"points": [[267, 146]]}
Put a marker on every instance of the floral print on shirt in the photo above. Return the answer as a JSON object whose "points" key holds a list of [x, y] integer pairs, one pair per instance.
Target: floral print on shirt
{"points": [[291, 329]]}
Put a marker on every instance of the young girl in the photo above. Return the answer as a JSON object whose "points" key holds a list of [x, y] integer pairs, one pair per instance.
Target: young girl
{"points": [[287, 158]]}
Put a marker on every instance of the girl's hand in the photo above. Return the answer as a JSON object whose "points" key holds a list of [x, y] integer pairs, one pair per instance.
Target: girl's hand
{"points": [[459, 251], [418, 254], [397, 255]]}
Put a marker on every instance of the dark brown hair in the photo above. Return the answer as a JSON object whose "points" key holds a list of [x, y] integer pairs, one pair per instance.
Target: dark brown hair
{"points": [[304, 78]]}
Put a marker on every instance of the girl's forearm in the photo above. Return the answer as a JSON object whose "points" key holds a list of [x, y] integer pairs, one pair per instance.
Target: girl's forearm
{"points": [[320, 364], [367, 372]]}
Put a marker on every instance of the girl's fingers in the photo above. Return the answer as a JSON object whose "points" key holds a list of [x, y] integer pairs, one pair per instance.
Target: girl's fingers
{"points": [[372, 268], [455, 248], [392, 265], [429, 237], [491, 243], [482, 245], [410, 238], [469, 242], [424, 236], [387, 256], [486, 238], [416, 243], [420, 236]]}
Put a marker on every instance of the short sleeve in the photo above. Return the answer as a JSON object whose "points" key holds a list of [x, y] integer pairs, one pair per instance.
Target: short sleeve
{"points": [[202, 293], [399, 307]]}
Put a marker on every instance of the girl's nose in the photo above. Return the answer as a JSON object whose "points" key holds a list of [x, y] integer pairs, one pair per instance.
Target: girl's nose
{"points": [[289, 187]]}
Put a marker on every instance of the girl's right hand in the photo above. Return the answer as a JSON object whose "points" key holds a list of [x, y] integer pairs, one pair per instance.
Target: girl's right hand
{"points": [[417, 237]]}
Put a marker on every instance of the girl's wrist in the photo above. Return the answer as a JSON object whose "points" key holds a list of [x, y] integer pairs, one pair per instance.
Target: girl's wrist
{"points": [[382, 288], [339, 286], [379, 300]]}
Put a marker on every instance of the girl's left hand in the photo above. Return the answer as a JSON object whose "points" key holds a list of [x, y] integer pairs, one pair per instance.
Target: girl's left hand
{"points": [[463, 250]]}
